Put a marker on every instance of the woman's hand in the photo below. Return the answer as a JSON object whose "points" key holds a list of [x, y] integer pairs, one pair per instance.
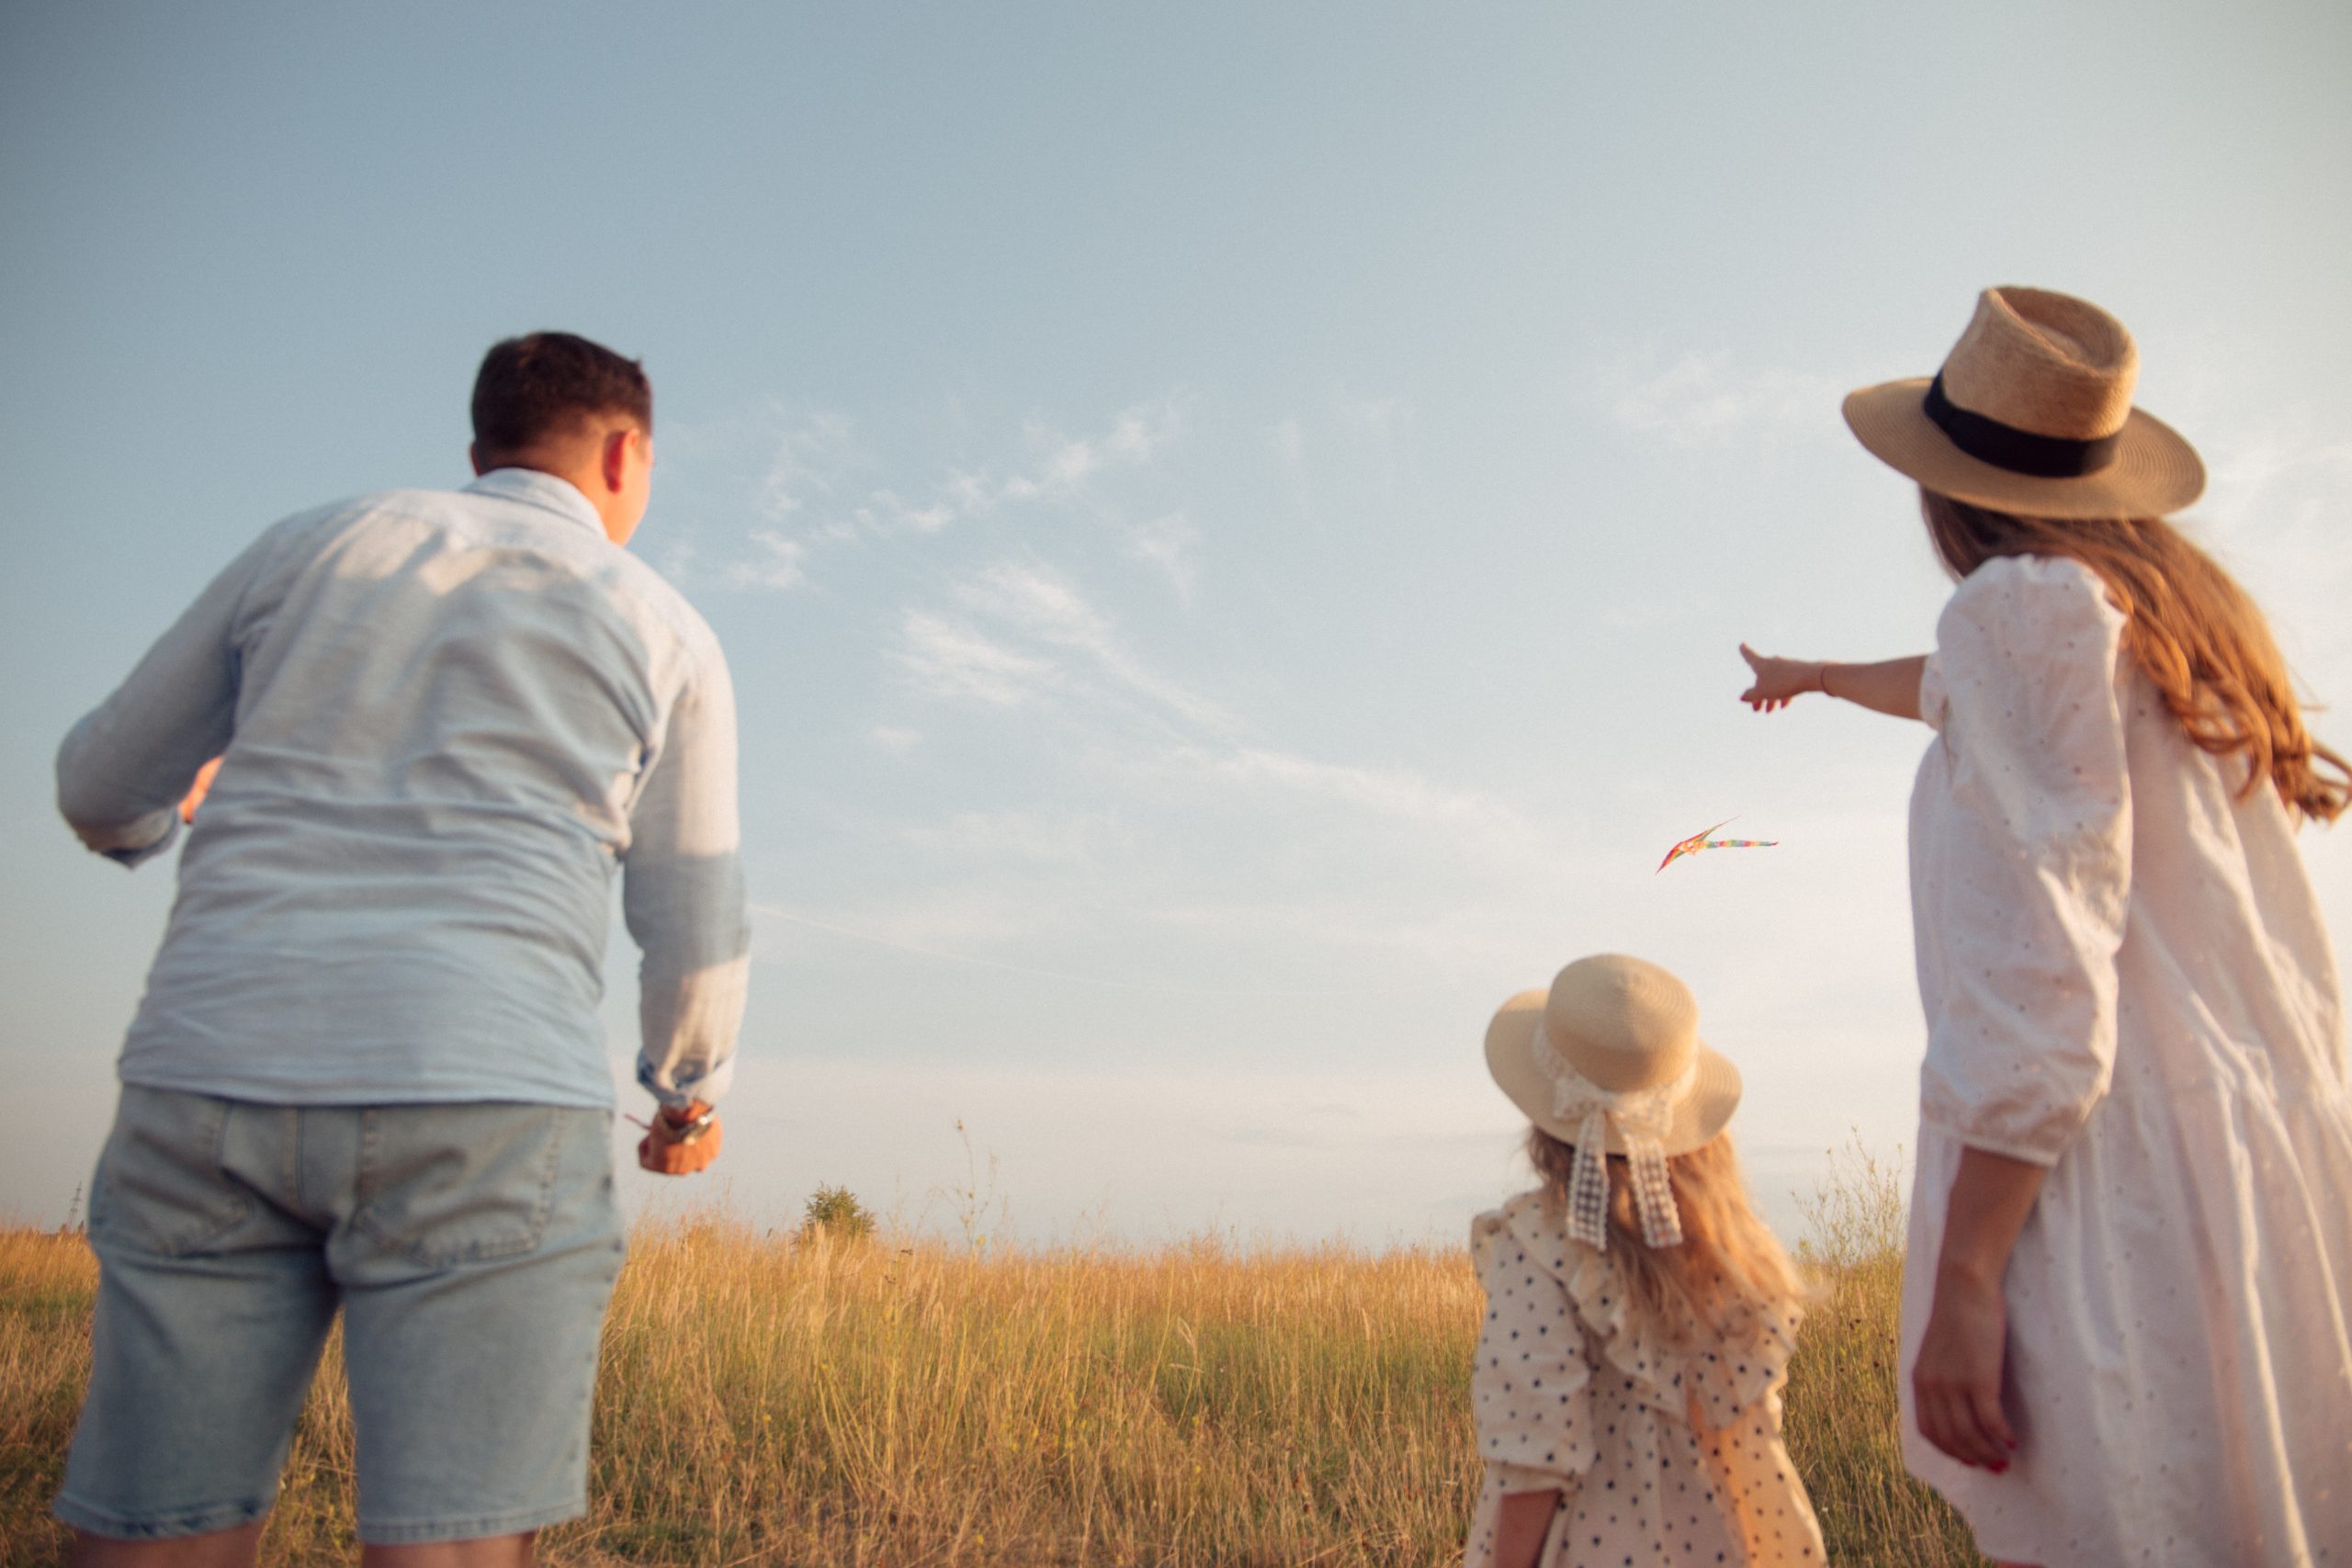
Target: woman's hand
{"points": [[1890, 686], [1956, 1381], [1779, 681]]}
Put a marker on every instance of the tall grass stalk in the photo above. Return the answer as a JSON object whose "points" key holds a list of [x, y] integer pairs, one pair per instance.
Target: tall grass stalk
{"points": [[1842, 1414]]}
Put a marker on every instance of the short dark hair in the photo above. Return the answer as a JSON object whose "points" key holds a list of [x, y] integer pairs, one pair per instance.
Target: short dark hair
{"points": [[531, 385]]}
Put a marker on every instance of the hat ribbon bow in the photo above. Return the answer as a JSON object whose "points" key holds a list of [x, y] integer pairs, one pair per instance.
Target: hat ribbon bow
{"points": [[1641, 1117]]}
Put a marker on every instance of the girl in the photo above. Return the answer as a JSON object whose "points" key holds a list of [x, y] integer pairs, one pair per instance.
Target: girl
{"points": [[1639, 1315], [2130, 1275]]}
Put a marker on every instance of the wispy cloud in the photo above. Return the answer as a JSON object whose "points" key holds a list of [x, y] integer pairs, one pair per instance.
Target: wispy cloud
{"points": [[1388, 420], [946, 659], [1288, 439], [2295, 467], [1702, 399], [1048, 608], [2275, 506], [817, 490], [1060, 467], [1056, 838], [812, 456], [1045, 638], [887, 511], [1428, 936], [775, 562], [1166, 544], [1131, 806], [1464, 816], [938, 922]]}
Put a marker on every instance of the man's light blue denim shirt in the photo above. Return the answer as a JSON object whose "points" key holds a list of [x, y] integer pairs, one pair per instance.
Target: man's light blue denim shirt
{"points": [[446, 719]]}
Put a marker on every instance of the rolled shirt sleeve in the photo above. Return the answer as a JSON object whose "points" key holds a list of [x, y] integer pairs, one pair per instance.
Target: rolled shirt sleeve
{"points": [[1529, 1387], [2021, 863], [683, 894], [124, 769]]}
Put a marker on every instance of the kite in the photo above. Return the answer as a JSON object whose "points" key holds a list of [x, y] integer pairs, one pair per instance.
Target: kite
{"points": [[1697, 841]]}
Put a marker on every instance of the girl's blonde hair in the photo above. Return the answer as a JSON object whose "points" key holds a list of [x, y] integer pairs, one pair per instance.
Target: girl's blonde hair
{"points": [[2199, 636], [1730, 1265]]}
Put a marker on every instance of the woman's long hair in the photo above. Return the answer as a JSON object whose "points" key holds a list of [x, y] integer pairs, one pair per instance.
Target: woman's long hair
{"points": [[1730, 1266], [2200, 637]]}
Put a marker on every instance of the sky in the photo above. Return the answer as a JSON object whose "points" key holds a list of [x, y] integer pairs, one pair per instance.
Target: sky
{"points": [[1231, 524]]}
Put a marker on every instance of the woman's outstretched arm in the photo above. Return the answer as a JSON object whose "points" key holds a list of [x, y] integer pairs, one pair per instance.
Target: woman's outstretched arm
{"points": [[1890, 686]]}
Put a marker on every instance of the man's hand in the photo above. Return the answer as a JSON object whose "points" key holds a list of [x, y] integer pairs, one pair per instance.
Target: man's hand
{"points": [[680, 1142], [198, 790], [1779, 681]]}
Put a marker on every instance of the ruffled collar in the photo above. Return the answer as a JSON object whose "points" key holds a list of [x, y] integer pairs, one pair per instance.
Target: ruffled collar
{"points": [[1725, 1375]]}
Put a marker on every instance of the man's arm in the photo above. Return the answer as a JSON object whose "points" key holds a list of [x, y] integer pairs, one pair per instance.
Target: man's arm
{"points": [[124, 769], [683, 898]]}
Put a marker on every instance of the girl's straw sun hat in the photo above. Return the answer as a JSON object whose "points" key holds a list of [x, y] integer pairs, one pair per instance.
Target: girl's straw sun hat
{"points": [[2032, 414], [1608, 1059]]}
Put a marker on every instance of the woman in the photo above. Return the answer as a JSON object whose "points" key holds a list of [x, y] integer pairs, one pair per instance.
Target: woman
{"points": [[2124, 1320]]}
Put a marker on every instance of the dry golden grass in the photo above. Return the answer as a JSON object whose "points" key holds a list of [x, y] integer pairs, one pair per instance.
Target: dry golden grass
{"points": [[1841, 1412], [902, 1403]]}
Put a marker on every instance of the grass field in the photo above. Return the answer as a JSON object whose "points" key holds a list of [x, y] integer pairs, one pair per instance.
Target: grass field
{"points": [[893, 1401]]}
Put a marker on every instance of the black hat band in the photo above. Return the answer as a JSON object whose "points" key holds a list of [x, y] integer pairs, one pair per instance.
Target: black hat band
{"points": [[2019, 451]]}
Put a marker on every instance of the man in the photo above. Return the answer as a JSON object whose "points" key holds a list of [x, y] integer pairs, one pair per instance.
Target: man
{"points": [[367, 1071]]}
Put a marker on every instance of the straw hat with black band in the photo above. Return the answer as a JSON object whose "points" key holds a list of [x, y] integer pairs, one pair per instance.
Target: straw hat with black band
{"points": [[2032, 414], [1608, 1059]]}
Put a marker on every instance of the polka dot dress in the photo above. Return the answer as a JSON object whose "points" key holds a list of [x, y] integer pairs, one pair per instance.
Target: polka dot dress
{"points": [[2126, 979], [1662, 1454]]}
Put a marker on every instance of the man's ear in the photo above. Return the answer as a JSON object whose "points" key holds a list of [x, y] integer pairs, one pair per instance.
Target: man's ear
{"points": [[473, 456], [613, 458]]}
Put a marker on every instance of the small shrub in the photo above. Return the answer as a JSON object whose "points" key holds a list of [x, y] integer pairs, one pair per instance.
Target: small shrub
{"points": [[835, 1214]]}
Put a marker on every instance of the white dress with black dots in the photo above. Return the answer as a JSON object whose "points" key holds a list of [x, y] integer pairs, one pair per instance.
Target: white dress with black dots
{"points": [[2127, 980], [1662, 1454]]}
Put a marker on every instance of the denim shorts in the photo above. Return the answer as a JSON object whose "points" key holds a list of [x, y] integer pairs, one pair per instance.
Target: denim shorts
{"points": [[472, 1248]]}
